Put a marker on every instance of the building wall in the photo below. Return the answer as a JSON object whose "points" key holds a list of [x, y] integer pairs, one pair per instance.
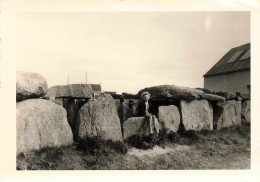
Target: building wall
{"points": [[231, 82]]}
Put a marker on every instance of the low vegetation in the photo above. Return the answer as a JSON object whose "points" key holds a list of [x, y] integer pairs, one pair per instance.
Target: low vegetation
{"points": [[97, 146], [228, 148]]}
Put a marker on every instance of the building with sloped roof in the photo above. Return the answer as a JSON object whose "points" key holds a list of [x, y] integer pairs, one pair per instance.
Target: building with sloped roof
{"points": [[76, 91], [110, 92], [96, 88], [231, 73]]}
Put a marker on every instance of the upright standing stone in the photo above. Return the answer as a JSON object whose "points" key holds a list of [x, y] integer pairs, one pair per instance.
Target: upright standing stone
{"points": [[227, 114], [169, 117], [197, 115], [245, 112], [30, 85], [121, 114], [136, 126], [41, 123], [71, 109], [98, 117]]}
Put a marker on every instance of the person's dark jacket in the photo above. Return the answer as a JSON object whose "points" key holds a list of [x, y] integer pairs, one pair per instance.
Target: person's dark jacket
{"points": [[141, 109]]}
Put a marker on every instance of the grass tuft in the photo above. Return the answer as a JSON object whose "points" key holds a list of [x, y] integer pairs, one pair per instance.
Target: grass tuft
{"points": [[97, 146], [46, 158], [148, 142], [142, 142]]}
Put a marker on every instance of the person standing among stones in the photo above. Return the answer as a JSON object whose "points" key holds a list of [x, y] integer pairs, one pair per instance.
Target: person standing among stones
{"points": [[121, 113], [130, 110], [146, 109]]}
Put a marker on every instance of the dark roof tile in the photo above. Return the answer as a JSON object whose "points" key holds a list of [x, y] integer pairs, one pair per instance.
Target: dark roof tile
{"points": [[227, 64], [95, 87]]}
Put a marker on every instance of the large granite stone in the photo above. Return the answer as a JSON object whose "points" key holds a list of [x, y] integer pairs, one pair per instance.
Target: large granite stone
{"points": [[212, 97], [30, 85], [98, 117], [136, 126], [245, 112], [172, 91], [41, 123], [169, 118], [71, 109], [197, 115], [205, 90], [227, 95], [227, 114]]}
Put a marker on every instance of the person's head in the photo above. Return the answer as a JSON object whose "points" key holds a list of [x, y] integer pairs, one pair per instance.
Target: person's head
{"points": [[145, 96]]}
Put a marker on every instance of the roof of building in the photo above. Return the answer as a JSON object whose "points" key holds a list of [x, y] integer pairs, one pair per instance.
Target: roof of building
{"points": [[72, 90], [95, 87], [237, 59], [110, 92]]}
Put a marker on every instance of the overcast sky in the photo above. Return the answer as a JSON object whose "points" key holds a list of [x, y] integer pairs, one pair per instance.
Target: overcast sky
{"points": [[127, 51]]}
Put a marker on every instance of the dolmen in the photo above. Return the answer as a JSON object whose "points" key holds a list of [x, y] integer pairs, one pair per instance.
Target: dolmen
{"points": [[40, 123], [193, 109]]}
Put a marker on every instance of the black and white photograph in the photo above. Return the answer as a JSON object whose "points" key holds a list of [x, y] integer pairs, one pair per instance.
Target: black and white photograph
{"points": [[133, 90], [129, 90]]}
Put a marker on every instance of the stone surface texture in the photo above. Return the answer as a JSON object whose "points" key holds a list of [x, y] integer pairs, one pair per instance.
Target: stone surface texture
{"points": [[136, 126], [98, 117], [205, 90], [172, 91], [30, 85], [246, 112], [197, 115], [212, 97], [227, 95], [41, 123], [227, 114], [169, 118]]}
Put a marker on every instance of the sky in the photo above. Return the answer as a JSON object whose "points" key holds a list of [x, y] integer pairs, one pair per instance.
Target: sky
{"points": [[127, 51]]}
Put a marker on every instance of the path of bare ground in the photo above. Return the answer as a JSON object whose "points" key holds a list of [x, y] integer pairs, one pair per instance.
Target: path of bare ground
{"points": [[224, 149]]}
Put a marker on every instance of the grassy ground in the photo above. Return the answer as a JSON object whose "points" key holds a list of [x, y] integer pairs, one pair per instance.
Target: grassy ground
{"points": [[225, 149]]}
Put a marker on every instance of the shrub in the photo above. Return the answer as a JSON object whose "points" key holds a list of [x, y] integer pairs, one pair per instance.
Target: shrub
{"points": [[188, 137], [190, 134], [173, 137], [141, 142], [117, 146], [148, 142], [163, 137], [98, 146]]}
